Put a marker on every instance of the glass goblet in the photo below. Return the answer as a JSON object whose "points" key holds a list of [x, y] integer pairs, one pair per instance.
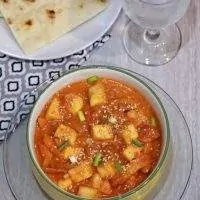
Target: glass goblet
{"points": [[152, 37]]}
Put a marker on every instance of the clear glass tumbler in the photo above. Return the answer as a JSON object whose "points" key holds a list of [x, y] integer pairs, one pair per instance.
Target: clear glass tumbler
{"points": [[152, 37]]}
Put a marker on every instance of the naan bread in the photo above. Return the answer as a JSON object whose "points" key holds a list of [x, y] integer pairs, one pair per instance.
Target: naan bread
{"points": [[35, 23], [13, 8]]}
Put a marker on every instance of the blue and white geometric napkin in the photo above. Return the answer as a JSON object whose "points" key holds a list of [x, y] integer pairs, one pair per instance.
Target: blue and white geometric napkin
{"points": [[18, 78]]}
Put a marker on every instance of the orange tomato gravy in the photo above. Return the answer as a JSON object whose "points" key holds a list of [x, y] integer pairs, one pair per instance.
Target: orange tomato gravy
{"points": [[128, 153]]}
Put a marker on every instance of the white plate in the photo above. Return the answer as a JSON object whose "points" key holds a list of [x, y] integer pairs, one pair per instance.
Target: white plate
{"points": [[70, 43]]}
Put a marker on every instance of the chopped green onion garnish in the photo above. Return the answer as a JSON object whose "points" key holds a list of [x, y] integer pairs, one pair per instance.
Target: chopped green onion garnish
{"points": [[63, 145], [153, 121], [137, 143], [97, 159], [81, 116], [118, 166], [92, 79]]}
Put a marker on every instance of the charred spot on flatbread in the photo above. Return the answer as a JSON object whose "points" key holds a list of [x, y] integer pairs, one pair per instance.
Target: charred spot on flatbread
{"points": [[9, 21], [31, 1], [51, 14], [29, 23], [81, 5], [5, 1]]}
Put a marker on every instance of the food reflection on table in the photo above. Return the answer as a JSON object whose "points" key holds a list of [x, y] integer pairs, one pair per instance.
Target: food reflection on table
{"points": [[98, 138]]}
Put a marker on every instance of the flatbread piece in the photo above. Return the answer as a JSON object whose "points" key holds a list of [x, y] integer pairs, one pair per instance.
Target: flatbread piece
{"points": [[35, 23]]}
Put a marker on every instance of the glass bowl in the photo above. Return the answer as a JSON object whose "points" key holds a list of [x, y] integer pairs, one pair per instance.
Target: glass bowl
{"points": [[146, 189]]}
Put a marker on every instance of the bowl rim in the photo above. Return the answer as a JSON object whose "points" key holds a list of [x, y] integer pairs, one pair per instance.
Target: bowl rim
{"points": [[151, 175]]}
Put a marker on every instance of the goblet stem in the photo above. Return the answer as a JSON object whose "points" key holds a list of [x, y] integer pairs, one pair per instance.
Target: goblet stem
{"points": [[151, 35], [152, 47]]}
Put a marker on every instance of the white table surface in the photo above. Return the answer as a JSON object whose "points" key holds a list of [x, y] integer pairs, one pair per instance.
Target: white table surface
{"points": [[180, 79]]}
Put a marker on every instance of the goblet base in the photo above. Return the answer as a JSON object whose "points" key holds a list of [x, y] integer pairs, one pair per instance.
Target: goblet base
{"points": [[152, 50]]}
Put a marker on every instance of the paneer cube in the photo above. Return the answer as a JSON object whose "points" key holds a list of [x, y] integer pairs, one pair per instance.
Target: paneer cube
{"points": [[137, 117], [131, 152], [74, 102], [132, 114], [65, 183], [97, 95], [53, 111], [107, 170], [102, 132], [96, 181], [87, 192], [64, 132], [137, 164], [71, 151], [81, 172], [129, 133]]}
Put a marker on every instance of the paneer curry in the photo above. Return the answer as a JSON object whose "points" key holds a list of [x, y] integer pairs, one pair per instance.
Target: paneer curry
{"points": [[98, 138]]}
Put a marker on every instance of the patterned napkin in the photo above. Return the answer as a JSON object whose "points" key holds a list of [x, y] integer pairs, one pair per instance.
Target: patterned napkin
{"points": [[18, 78]]}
